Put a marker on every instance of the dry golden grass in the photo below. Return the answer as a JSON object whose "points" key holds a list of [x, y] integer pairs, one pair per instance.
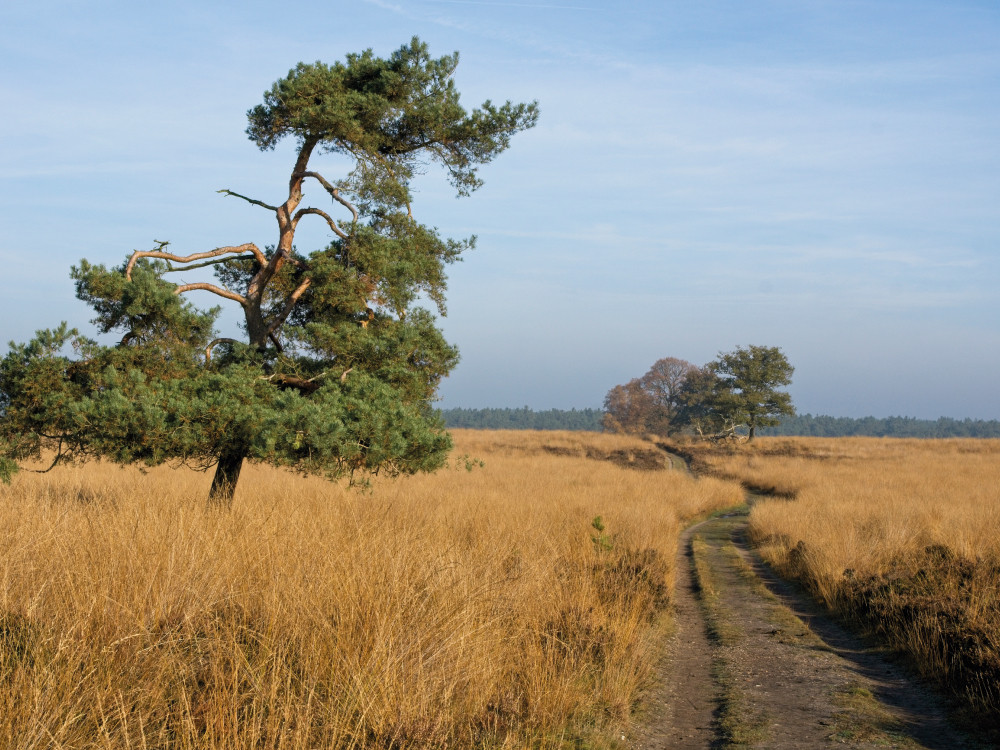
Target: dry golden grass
{"points": [[462, 609], [902, 534]]}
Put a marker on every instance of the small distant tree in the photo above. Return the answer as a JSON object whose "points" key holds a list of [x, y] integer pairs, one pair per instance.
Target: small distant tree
{"points": [[664, 382], [627, 408], [747, 393], [338, 365], [650, 403]]}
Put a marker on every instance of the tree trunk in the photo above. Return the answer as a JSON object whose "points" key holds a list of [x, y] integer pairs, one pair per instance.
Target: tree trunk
{"points": [[753, 433], [227, 474]]}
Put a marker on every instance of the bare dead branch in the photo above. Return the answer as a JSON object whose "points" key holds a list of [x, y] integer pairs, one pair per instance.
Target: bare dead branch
{"points": [[304, 385], [249, 247], [248, 200], [291, 381], [333, 225], [214, 290], [334, 192], [293, 298], [171, 269], [213, 344]]}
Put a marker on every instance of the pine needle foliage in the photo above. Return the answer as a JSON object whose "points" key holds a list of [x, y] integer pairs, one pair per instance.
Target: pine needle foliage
{"points": [[339, 364]]}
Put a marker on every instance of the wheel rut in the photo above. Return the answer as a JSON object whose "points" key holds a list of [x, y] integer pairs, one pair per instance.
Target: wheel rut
{"points": [[754, 663], [682, 708]]}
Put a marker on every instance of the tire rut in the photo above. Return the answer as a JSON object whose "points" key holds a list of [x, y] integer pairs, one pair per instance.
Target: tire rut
{"points": [[680, 712], [782, 674]]}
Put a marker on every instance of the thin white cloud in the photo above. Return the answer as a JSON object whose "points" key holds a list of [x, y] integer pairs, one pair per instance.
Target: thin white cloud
{"points": [[390, 6], [516, 5], [518, 38]]}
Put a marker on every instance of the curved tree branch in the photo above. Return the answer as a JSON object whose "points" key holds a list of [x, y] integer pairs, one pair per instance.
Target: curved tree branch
{"points": [[213, 344], [248, 247], [55, 461], [333, 225], [248, 200], [214, 290], [215, 262], [303, 385], [334, 192]]}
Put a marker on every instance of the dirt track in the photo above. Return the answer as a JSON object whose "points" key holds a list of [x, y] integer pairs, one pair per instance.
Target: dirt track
{"points": [[754, 663]]}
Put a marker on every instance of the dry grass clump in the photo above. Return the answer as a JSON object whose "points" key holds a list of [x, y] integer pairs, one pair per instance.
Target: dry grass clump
{"points": [[902, 534], [465, 609]]}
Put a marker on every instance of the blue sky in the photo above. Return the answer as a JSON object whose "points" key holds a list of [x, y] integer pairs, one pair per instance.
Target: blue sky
{"points": [[819, 176]]}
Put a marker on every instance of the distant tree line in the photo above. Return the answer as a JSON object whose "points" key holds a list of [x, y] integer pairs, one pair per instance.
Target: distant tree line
{"points": [[823, 426], [808, 425], [524, 419], [737, 394]]}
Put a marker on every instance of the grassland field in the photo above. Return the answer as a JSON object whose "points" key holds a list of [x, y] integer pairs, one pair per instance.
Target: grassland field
{"points": [[484, 608], [518, 598]]}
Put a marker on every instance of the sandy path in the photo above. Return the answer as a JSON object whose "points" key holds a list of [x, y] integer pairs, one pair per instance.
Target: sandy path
{"points": [[680, 713], [776, 673]]}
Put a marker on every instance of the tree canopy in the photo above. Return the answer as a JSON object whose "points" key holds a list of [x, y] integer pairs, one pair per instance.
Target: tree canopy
{"points": [[650, 403], [338, 364], [740, 388], [750, 377]]}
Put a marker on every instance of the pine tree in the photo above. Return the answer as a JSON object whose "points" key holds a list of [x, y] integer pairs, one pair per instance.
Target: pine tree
{"points": [[339, 365]]}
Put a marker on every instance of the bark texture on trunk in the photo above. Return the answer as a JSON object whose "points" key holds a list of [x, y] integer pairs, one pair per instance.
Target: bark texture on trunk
{"points": [[227, 474]]}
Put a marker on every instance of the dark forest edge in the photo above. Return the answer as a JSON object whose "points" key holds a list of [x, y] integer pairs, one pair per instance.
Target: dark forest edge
{"points": [[589, 420], [807, 425]]}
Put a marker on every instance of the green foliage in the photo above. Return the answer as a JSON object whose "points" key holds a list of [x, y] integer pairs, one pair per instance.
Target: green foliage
{"points": [[388, 115], [602, 542], [145, 309], [700, 403], [524, 419], [740, 389], [110, 405], [749, 379], [8, 469], [468, 463], [902, 427], [340, 365]]}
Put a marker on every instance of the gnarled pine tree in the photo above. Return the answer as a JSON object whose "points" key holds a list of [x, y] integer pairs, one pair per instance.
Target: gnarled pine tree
{"points": [[339, 365]]}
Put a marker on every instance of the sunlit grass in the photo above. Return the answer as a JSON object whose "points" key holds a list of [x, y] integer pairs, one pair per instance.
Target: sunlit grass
{"points": [[461, 609]]}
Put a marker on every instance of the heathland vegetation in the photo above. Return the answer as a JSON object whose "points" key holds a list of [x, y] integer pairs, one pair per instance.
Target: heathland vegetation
{"points": [[517, 597], [513, 599], [901, 536]]}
